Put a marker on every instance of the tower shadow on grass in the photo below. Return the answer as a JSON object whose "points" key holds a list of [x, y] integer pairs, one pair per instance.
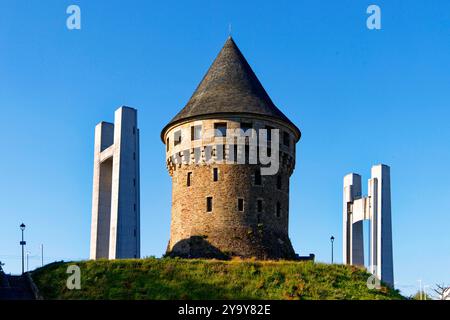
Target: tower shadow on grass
{"points": [[196, 247]]}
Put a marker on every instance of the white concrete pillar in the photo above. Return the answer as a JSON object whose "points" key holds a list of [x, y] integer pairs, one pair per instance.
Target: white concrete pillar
{"points": [[353, 239], [382, 252], [125, 187], [115, 229], [101, 196], [376, 207]]}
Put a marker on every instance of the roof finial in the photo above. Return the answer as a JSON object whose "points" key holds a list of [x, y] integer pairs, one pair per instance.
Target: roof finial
{"points": [[229, 30]]}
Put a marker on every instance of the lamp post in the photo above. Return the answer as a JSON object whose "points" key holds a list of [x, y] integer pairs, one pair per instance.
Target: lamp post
{"points": [[23, 243], [332, 249]]}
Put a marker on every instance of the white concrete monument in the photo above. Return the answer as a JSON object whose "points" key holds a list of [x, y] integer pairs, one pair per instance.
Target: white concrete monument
{"points": [[376, 207], [115, 228]]}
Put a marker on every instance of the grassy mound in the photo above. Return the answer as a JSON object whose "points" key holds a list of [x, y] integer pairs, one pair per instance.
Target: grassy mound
{"points": [[208, 279]]}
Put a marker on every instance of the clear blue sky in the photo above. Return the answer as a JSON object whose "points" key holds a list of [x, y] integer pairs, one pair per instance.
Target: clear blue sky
{"points": [[360, 98]]}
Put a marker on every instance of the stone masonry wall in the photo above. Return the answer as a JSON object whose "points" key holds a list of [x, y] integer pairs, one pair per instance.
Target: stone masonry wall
{"points": [[227, 231]]}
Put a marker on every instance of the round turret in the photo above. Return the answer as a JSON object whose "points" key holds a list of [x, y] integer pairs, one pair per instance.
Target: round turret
{"points": [[230, 153]]}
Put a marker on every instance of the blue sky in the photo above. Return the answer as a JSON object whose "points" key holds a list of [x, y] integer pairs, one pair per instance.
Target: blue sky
{"points": [[360, 97]]}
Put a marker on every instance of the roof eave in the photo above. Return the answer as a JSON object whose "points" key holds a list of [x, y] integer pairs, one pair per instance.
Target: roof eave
{"points": [[288, 123]]}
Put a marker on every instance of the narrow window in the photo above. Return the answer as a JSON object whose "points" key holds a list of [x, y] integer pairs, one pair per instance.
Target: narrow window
{"points": [[216, 174], [279, 182], [209, 204], [196, 132], [220, 148], [269, 133], [134, 207], [220, 129], [257, 177], [247, 154], [278, 209], [167, 144], [188, 180], [286, 139], [135, 233], [241, 204], [134, 130], [134, 155], [259, 205], [246, 126], [177, 138], [134, 182]]}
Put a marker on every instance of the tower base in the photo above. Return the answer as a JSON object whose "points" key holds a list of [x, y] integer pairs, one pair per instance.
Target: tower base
{"points": [[252, 244]]}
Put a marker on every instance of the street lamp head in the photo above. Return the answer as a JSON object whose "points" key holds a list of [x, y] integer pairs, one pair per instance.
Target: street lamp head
{"points": [[332, 238], [22, 226]]}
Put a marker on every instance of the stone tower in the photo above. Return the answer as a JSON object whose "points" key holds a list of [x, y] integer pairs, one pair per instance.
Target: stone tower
{"points": [[225, 201], [115, 227]]}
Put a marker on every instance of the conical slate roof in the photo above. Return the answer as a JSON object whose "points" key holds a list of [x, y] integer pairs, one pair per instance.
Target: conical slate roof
{"points": [[230, 86]]}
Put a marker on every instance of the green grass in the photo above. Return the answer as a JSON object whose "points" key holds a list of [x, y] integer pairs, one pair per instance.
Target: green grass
{"points": [[208, 279]]}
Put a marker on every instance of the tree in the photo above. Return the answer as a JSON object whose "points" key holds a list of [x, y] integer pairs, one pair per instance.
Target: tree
{"points": [[442, 291]]}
